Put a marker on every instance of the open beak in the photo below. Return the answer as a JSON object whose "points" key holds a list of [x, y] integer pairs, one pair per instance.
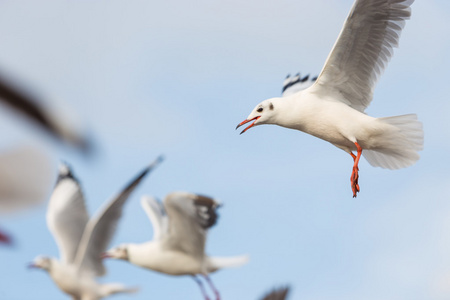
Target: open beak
{"points": [[249, 126], [105, 255]]}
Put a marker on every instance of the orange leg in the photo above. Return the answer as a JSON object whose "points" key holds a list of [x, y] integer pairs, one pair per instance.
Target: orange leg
{"points": [[355, 175]]}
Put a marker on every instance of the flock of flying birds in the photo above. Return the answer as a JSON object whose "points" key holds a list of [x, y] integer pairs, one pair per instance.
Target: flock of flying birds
{"points": [[330, 106]]}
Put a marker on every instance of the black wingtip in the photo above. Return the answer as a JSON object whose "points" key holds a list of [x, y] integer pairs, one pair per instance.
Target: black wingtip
{"points": [[153, 165], [296, 79], [277, 294], [157, 161], [144, 172]]}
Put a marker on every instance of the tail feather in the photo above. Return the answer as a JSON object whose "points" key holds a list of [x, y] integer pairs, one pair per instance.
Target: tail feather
{"points": [[216, 263], [115, 288], [400, 145]]}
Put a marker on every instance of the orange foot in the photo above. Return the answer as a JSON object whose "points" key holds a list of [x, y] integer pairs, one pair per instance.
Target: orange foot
{"points": [[355, 176], [354, 181]]}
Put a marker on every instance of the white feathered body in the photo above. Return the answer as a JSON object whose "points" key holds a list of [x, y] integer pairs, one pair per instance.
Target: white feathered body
{"points": [[81, 239], [82, 286], [154, 256], [70, 281], [390, 142]]}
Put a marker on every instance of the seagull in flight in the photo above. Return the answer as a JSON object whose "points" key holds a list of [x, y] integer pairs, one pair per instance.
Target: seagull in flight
{"points": [[180, 226], [81, 240], [333, 107], [27, 174]]}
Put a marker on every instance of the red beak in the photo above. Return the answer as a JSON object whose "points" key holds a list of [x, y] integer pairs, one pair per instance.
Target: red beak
{"points": [[245, 122], [104, 255]]}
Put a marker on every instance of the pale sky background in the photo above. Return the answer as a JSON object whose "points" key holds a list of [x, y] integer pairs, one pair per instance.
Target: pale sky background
{"points": [[175, 78]]}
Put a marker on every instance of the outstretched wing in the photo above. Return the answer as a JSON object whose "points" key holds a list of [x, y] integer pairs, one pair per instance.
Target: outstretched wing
{"points": [[101, 228], [30, 106], [155, 212], [190, 216], [292, 85], [362, 51], [66, 214]]}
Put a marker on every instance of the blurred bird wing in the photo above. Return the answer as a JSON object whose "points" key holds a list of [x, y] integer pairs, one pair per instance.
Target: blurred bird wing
{"points": [[155, 212], [101, 228], [27, 176], [292, 85], [277, 294], [362, 51], [190, 216], [67, 216], [46, 117]]}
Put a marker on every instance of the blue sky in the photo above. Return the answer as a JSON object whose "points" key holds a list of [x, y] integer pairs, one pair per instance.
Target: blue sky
{"points": [[174, 77]]}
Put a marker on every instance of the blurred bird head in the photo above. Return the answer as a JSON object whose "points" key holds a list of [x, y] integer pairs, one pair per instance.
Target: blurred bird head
{"points": [[41, 262], [64, 171], [119, 252]]}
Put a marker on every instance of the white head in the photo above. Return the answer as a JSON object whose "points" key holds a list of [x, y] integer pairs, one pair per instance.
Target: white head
{"points": [[119, 252], [264, 113], [41, 262]]}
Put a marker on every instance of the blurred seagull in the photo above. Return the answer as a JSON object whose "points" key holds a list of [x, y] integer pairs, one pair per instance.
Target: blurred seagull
{"points": [[178, 246], [332, 109], [277, 294], [81, 240], [48, 118], [26, 173], [26, 177]]}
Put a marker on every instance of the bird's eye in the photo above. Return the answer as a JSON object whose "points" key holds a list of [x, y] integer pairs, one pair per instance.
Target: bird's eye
{"points": [[259, 109]]}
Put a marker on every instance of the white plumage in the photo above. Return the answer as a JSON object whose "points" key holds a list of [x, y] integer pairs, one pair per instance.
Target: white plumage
{"points": [[333, 107], [81, 240], [178, 247]]}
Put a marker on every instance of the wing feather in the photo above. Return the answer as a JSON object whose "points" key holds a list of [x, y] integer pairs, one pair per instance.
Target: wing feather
{"points": [[363, 50], [66, 214], [101, 228], [292, 85], [30, 106], [155, 212], [190, 216], [277, 294]]}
